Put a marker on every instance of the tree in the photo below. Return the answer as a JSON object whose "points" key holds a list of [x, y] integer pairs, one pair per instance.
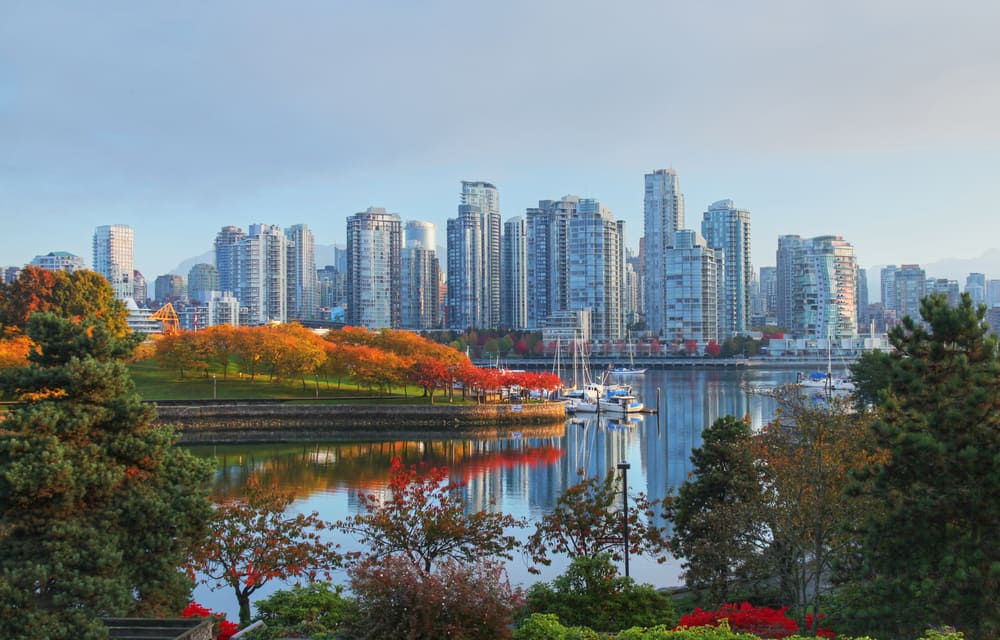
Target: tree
{"points": [[587, 521], [930, 553], [257, 541], [719, 525], [183, 351], [809, 452], [99, 509], [590, 593], [424, 519]]}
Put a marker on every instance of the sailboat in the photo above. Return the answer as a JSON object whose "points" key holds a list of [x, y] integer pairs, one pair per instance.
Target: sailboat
{"points": [[630, 369], [819, 381]]}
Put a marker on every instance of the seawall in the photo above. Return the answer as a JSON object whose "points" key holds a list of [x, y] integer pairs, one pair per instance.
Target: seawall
{"points": [[218, 423]]}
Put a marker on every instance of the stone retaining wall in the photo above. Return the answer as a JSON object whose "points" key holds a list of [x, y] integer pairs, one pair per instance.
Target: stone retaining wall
{"points": [[205, 423]]}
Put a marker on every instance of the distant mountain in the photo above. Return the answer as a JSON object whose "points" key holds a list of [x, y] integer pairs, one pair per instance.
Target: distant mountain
{"points": [[183, 268]]}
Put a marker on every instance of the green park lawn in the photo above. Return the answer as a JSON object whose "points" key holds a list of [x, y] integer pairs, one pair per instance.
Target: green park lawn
{"points": [[156, 383]]}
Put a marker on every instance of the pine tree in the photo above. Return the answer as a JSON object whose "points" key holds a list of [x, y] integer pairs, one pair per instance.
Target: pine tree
{"points": [[98, 510], [931, 551], [718, 518]]}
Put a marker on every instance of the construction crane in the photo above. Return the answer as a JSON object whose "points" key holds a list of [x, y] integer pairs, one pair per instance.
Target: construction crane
{"points": [[167, 315]]}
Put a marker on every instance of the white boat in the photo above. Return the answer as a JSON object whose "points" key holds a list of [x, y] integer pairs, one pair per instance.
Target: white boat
{"points": [[614, 399], [630, 369], [819, 381]]}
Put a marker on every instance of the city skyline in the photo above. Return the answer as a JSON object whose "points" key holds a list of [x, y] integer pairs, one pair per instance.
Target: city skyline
{"points": [[875, 123]]}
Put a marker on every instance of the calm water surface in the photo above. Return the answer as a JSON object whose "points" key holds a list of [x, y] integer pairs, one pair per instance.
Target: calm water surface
{"points": [[522, 474]]}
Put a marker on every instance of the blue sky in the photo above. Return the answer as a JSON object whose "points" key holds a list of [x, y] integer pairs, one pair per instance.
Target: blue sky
{"points": [[879, 121]]}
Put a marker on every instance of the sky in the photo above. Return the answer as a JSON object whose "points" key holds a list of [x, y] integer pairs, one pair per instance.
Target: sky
{"points": [[875, 120]]}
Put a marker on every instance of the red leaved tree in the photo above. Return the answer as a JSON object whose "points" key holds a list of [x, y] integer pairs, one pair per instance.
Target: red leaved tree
{"points": [[256, 541], [424, 519]]}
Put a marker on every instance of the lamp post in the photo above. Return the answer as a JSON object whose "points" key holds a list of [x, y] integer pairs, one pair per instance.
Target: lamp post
{"points": [[215, 394], [624, 467]]}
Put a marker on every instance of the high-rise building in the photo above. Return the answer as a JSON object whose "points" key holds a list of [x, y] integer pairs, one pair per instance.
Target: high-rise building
{"points": [[948, 287], [484, 196], [910, 288], [227, 258], [302, 296], [816, 287], [140, 289], [514, 287], [203, 282], [262, 279], [59, 261], [596, 268], [861, 287], [11, 274], [663, 215], [170, 288], [114, 257], [993, 293], [888, 286], [769, 294], [975, 286], [467, 302], [421, 278], [548, 266], [695, 274], [727, 229], [374, 269]]}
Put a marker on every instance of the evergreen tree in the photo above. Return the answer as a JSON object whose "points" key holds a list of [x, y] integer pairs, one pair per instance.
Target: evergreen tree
{"points": [[98, 510], [931, 552], [718, 516]]}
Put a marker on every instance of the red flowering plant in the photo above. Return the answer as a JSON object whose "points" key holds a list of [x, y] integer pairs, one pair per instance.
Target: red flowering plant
{"points": [[763, 622], [224, 628]]}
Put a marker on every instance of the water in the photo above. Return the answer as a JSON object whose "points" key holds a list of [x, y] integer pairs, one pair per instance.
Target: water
{"points": [[522, 474]]}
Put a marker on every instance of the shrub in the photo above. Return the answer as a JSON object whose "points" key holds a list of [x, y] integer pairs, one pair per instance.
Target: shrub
{"points": [[396, 599], [224, 629], [591, 593], [764, 622], [312, 611]]}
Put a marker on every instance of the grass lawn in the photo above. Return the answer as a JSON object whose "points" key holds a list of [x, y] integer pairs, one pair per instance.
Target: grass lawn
{"points": [[154, 383]]}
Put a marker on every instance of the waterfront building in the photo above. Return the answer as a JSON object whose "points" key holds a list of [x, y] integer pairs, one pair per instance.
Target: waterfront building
{"points": [[421, 275], [910, 289], [975, 286], [11, 274], [467, 301], [169, 288], [596, 268], [632, 291], [302, 296], [59, 261], [484, 197], [332, 288], [663, 215], [816, 282], [695, 274], [224, 308], [114, 257], [548, 269], [514, 284], [374, 269], [203, 282], [726, 228], [769, 295], [227, 254], [262, 275]]}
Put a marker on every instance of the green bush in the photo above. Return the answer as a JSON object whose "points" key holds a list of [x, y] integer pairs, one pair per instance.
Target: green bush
{"points": [[591, 593], [312, 611], [546, 626]]}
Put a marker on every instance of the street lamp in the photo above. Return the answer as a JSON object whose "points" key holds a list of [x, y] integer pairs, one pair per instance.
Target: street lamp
{"points": [[215, 394], [624, 467]]}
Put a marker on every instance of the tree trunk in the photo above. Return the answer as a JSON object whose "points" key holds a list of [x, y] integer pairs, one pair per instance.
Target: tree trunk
{"points": [[244, 600]]}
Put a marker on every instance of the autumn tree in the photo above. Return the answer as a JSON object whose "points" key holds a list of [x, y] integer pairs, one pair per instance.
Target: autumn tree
{"points": [[719, 524], [184, 351], [930, 553], [809, 453], [256, 540], [99, 509], [220, 340], [588, 521], [424, 519]]}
